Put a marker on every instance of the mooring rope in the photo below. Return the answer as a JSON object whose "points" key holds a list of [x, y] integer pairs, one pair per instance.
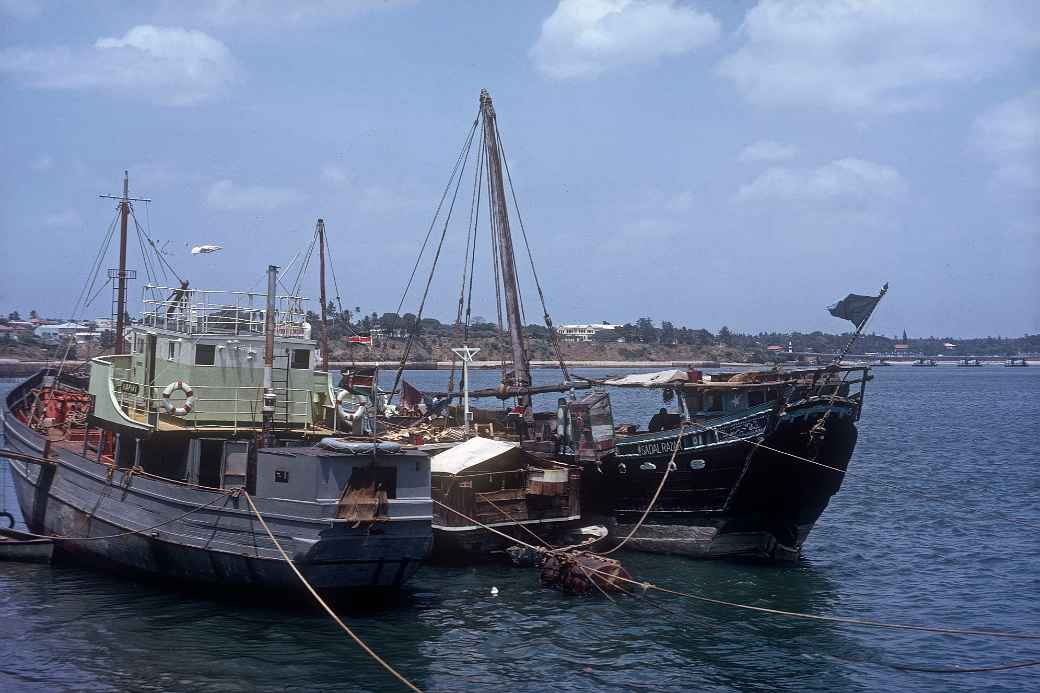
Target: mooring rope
{"points": [[898, 487], [762, 609], [205, 505], [660, 487], [346, 629], [832, 619], [513, 520]]}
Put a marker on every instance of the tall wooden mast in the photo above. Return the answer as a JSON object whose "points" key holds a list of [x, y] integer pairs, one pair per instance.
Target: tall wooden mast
{"points": [[124, 215], [521, 365], [121, 274], [323, 342]]}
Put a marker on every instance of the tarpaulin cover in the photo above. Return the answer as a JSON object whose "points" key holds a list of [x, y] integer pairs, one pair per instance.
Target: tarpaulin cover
{"points": [[657, 379], [472, 452]]}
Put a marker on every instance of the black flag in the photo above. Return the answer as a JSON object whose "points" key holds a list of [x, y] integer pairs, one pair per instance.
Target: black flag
{"points": [[855, 308]]}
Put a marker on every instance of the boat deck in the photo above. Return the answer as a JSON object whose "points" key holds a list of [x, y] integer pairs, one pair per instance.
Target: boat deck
{"points": [[167, 422]]}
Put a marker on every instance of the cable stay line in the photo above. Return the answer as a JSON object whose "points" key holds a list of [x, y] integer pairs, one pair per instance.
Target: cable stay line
{"points": [[463, 159], [464, 153]]}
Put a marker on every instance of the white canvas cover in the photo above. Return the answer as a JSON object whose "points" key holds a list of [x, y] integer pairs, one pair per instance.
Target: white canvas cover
{"points": [[472, 452], [656, 379]]}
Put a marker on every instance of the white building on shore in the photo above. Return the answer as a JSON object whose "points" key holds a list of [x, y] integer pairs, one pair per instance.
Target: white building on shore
{"points": [[583, 333], [59, 332]]}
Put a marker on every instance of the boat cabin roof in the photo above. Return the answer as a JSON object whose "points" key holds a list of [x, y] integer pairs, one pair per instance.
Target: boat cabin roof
{"points": [[694, 379], [474, 452]]}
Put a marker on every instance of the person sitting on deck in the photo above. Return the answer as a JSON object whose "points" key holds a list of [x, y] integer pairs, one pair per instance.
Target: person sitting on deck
{"points": [[662, 421]]}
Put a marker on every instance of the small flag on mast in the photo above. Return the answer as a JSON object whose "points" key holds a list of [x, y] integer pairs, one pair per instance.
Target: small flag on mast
{"points": [[855, 307]]}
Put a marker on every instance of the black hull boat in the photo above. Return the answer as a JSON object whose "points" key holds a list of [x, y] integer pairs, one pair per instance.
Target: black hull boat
{"points": [[749, 482]]}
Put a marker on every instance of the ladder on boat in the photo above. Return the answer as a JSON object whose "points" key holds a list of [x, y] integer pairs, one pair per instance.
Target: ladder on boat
{"points": [[280, 383]]}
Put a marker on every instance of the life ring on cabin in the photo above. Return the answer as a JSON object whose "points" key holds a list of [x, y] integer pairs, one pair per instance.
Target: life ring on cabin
{"points": [[189, 401], [345, 412]]}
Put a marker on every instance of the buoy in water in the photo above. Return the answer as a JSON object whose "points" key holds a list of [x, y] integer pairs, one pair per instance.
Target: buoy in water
{"points": [[494, 591]]}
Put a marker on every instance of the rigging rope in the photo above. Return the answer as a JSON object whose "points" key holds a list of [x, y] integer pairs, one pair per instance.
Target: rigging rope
{"points": [[162, 259], [436, 214], [898, 487], [867, 623], [554, 337], [223, 495], [464, 158], [321, 602], [653, 501]]}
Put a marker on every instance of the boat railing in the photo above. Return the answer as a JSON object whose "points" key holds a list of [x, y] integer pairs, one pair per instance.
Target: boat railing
{"points": [[214, 406], [204, 312]]}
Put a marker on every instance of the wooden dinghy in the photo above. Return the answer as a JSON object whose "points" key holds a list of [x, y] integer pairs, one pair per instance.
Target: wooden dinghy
{"points": [[27, 548]]}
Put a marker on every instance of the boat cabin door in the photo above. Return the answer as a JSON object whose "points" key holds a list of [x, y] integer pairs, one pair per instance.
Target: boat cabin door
{"points": [[236, 464], [150, 395]]}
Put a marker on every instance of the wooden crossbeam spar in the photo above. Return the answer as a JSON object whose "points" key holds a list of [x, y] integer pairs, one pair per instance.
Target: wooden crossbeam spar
{"points": [[22, 457]]}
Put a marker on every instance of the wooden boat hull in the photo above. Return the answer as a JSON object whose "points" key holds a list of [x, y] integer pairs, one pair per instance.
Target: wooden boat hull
{"points": [[24, 548], [222, 544], [727, 497]]}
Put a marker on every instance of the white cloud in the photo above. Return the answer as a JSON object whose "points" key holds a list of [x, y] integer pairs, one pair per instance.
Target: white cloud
{"points": [[168, 65], [226, 196], [767, 150], [42, 163], [277, 14], [680, 202], [583, 38], [841, 180], [334, 175], [880, 56], [63, 219], [1008, 135]]}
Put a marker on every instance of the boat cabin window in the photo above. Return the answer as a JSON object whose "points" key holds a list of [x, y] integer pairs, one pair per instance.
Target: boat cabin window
{"points": [[171, 350], [205, 354], [694, 401], [376, 478], [712, 401], [301, 359], [756, 397]]}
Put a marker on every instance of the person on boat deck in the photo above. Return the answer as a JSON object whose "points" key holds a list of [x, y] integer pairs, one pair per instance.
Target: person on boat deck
{"points": [[662, 421]]}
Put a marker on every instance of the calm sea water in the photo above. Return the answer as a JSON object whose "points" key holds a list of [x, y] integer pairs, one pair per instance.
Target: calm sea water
{"points": [[968, 436]]}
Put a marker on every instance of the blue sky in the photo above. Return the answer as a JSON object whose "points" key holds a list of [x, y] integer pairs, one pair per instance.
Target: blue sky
{"points": [[709, 163]]}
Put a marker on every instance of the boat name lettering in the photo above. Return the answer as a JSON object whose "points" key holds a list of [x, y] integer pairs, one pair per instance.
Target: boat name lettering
{"points": [[129, 388], [748, 427], [657, 447], [281, 476]]}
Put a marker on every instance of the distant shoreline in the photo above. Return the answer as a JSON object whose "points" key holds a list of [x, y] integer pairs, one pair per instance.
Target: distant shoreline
{"points": [[12, 368]]}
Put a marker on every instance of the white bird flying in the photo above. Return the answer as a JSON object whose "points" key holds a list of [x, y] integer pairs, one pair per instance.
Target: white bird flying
{"points": [[209, 248]]}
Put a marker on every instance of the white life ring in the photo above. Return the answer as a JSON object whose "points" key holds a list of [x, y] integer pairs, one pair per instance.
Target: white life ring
{"points": [[189, 401], [346, 413]]}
